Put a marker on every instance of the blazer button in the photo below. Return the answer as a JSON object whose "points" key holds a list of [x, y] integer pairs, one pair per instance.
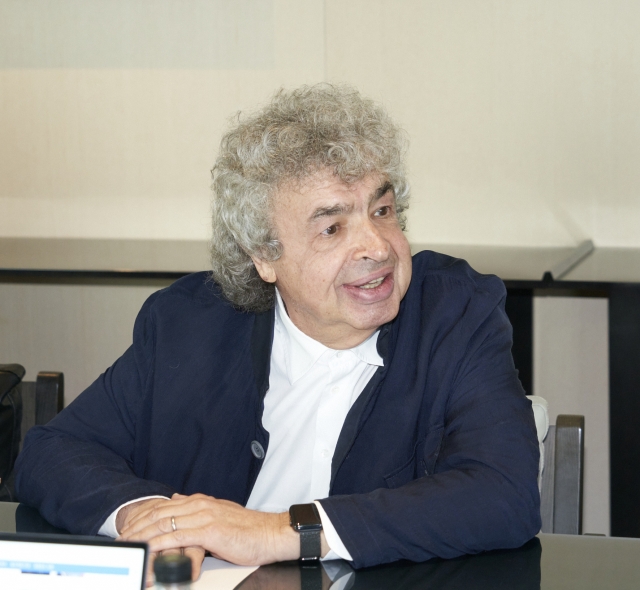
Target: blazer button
{"points": [[257, 450]]}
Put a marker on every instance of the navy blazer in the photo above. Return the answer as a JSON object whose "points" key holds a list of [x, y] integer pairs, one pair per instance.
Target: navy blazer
{"points": [[437, 457]]}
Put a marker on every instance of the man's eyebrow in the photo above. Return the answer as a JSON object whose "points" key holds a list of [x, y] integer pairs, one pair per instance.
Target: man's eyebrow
{"points": [[382, 191], [329, 211], [342, 209]]}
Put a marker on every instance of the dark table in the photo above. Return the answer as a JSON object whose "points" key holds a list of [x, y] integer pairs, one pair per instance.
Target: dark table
{"points": [[559, 562], [585, 271]]}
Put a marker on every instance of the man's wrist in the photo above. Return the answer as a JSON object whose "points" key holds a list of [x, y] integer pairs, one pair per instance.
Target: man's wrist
{"points": [[305, 520], [287, 544]]}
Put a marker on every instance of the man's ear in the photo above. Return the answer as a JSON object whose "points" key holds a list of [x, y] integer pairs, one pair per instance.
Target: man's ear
{"points": [[265, 269]]}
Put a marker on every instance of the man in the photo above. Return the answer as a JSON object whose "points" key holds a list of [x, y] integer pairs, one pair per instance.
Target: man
{"points": [[321, 366]]}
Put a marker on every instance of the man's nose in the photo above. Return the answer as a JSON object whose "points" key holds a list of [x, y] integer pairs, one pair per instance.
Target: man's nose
{"points": [[371, 243]]}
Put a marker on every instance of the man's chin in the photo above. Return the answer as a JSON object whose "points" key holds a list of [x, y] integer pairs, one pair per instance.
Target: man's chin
{"points": [[374, 316]]}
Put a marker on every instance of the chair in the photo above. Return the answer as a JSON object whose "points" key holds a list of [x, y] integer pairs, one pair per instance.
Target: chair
{"points": [[23, 404], [561, 470]]}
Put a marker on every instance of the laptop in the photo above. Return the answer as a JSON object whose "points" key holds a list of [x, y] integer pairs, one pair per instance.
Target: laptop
{"points": [[50, 562]]}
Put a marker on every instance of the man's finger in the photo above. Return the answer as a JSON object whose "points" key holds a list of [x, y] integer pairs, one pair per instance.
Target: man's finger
{"points": [[189, 524], [141, 511], [150, 576], [196, 554], [181, 538], [148, 514], [149, 517], [145, 530], [161, 517], [129, 512]]}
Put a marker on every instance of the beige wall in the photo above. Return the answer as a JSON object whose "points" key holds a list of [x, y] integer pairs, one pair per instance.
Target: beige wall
{"points": [[524, 116], [119, 142]]}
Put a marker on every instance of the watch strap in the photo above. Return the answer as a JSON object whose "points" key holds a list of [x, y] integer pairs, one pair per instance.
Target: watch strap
{"points": [[310, 545]]}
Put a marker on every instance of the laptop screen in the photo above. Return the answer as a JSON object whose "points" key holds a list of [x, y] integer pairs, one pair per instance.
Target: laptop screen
{"points": [[48, 562]]}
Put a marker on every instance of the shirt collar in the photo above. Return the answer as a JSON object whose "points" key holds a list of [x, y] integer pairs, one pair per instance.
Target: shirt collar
{"points": [[302, 351], [368, 350]]}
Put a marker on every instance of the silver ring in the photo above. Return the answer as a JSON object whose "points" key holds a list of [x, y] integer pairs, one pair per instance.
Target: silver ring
{"points": [[173, 524]]}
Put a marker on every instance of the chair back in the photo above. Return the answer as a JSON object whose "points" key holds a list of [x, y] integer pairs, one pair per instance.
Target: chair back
{"points": [[10, 420], [23, 404]]}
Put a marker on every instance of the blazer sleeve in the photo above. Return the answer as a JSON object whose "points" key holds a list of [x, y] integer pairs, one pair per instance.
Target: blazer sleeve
{"points": [[482, 493], [77, 469]]}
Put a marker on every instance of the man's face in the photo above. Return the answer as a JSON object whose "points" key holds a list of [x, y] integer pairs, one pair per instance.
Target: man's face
{"points": [[346, 264]]}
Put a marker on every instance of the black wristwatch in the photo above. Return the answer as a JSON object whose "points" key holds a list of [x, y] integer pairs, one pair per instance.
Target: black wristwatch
{"points": [[305, 520]]}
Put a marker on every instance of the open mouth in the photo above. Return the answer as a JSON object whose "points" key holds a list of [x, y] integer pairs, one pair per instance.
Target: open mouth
{"points": [[373, 284], [374, 290]]}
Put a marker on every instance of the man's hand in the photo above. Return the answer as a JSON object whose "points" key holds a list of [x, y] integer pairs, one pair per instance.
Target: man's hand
{"points": [[132, 512], [226, 529]]}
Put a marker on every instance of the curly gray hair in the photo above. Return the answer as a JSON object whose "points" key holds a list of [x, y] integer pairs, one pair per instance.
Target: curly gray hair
{"points": [[299, 133]]}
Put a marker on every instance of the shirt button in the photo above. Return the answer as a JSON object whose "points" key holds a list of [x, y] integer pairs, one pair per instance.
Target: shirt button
{"points": [[335, 389], [257, 450], [339, 354], [325, 453]]}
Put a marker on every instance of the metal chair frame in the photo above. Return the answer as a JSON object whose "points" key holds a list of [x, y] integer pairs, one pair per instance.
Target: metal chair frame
{"points": [[563, 476]]}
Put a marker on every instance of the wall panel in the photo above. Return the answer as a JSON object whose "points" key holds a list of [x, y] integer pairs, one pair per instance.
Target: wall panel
{"points": [[77, 329]]}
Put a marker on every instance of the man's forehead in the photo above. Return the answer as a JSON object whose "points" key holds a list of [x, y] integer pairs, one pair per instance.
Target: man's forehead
{"points": [[331, 188]]}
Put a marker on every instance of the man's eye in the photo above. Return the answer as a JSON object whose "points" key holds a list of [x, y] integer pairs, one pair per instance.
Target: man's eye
{"points": [[383, 211], [332, 229]]}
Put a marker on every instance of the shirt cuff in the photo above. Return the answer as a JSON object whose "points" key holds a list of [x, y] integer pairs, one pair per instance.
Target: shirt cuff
{"points": [[108, 528], [337, 550]]}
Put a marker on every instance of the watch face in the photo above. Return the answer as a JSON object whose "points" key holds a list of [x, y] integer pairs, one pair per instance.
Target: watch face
{"points": [[305, 517]]}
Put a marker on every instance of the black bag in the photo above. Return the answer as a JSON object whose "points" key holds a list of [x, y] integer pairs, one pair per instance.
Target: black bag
{"points": [[10, 421]]}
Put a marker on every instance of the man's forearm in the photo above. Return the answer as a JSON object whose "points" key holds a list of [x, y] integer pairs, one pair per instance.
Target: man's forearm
{"points": [[226, 529]]}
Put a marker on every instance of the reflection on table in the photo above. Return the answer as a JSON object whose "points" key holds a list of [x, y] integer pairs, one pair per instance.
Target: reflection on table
{"points": [[517, 569]]}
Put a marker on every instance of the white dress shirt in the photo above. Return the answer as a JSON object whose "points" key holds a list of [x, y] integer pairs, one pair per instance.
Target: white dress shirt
{"points": [[311, 390]]}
